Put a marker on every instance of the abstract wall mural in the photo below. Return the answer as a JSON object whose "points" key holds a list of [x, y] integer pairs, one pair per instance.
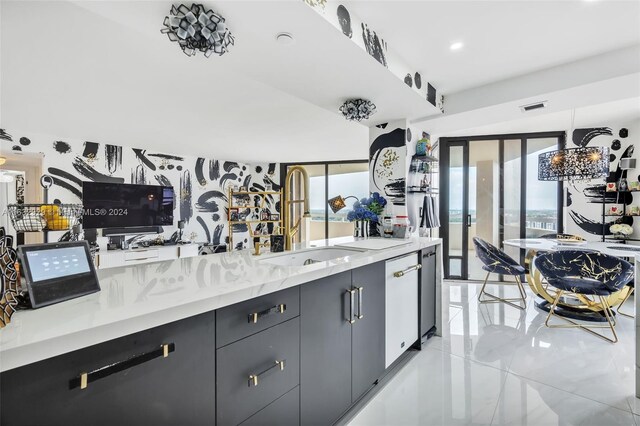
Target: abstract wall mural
{"points": [[374, 44], [367, 38], [345, 21], [584, 199], [200, 184], [387, 161]]}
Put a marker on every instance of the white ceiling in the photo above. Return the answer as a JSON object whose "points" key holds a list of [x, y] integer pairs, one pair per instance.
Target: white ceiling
{"points": [[607, 114], [502, 39], [101, 70]]}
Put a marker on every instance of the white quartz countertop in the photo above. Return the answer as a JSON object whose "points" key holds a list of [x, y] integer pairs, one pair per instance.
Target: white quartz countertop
{"points": [[139, 297]]}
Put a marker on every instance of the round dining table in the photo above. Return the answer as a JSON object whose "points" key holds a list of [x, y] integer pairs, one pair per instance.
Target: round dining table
{"points": [[580, 307]]}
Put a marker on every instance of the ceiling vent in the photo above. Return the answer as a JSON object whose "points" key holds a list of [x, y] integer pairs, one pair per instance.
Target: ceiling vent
{"points": [[534, 106]]}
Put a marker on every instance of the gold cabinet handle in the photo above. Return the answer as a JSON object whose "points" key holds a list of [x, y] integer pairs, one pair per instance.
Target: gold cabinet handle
{"points": [[280, 309], [253, 378], [406, 271]]}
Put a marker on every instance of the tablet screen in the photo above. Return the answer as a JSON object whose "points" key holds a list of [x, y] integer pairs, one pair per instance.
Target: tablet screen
{"points": [[57, 263]]}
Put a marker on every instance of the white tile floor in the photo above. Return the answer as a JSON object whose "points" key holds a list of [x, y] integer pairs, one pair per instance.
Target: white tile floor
{"points": [[498, 365]]}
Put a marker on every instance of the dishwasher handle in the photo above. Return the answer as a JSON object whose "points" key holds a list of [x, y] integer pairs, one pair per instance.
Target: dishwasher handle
{"points": [[415, 267]]}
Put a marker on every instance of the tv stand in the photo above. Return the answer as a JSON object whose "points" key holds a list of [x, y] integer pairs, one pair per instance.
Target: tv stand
{"points": [[116, 258]]}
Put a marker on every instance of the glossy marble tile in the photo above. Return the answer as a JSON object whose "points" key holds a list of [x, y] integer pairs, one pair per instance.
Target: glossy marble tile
{"points": [[550, 376], [436, 388], [526, 402], [486, 332], [576, 362]]}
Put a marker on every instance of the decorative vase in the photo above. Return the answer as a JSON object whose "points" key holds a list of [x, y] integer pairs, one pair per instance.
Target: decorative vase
{"points": [[374, 230], [361, 228]]}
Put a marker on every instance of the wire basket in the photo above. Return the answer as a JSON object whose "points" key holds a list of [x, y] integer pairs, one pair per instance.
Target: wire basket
{"points": [[44, 217]]}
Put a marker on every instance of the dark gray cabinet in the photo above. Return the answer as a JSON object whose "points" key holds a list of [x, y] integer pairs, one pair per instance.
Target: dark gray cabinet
{"points": [[255, 371], [284, 411], [130, 381], [325, 349], [254, 315], [428, 291], [367, 332], [342, 341]]}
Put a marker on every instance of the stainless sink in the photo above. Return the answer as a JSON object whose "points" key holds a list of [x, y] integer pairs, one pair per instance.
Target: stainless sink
{"points": [[311, 256]]}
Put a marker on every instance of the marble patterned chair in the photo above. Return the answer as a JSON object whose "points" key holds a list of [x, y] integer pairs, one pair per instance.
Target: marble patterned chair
{"points": [[592, 275], [498, 262]]}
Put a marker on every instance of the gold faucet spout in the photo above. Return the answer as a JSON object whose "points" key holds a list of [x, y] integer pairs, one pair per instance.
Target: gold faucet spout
{"points": [[289, 199]]}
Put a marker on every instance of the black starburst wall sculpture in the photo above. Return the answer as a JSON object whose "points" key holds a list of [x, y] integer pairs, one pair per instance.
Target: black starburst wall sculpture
{"points": [[196, 29], [357, 109]]}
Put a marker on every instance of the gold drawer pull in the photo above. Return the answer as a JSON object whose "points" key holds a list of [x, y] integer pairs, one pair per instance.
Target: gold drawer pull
{"points": [[279, 309], [406, 271], [82, 381], [253, 378]]}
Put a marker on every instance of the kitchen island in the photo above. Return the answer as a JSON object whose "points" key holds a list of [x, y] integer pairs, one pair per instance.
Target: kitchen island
{"points": [[172, 338]]}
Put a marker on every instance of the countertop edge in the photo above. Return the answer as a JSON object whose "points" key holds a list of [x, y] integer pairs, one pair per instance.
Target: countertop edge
{"points": [[21, 355]]}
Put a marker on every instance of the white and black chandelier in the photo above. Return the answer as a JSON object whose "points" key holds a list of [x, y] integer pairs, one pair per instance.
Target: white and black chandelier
{"points": [[196, 29], [357, 109], [574, 164]]}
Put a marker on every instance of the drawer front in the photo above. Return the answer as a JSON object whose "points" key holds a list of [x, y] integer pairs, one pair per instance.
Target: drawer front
{"points": [[243, 319], [239, 397], [141, 254], [284, 411], [146, 388]]}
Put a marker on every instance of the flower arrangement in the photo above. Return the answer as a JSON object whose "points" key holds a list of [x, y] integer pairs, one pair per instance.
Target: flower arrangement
{"points": [[367, 209], [621, 229]]}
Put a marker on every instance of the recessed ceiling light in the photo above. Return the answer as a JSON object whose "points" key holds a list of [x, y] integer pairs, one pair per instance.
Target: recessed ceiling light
{"points": [[285, 38], [457, 45]]}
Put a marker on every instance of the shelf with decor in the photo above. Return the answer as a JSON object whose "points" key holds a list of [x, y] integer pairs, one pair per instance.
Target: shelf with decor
{"points": [[423, 169], [236, 206], [626, 211]]}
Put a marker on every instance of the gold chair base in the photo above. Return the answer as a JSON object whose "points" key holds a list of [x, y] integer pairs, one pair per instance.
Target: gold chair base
{"points": [[608, 313], [509, 301], [623, 302], [542, 289]]}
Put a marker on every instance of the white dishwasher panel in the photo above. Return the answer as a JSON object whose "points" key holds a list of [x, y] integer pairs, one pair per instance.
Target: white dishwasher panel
{"points": [[401, 306]]}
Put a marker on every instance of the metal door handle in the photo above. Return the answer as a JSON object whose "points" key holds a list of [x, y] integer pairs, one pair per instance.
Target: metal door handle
{"points": [[253, 378], [351, 293], [406, 271], [360, 315], [468, 221]]}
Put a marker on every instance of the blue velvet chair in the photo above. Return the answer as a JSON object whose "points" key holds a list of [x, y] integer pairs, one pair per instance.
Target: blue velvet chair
{"points": [[497, 261], [590, 275]]}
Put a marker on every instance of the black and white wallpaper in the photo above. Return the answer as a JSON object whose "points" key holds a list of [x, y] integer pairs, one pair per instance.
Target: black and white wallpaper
{"points": [[364, 35], [387, 161], [200, 184], [584, 199]]}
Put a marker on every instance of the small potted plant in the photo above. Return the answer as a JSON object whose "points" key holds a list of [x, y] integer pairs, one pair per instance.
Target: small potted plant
{"points": [[621, 230], [365, 215]]}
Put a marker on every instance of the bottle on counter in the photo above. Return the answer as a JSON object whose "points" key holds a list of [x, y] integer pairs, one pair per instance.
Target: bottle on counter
{"points": [[387, 227], [401, 227]]}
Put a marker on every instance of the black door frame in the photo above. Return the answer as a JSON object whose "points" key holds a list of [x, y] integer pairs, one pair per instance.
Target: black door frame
{"points": [[445, 143], [283, 175]]}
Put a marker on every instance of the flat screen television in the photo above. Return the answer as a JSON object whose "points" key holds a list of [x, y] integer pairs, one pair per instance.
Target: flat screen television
{"points": [[119, 205]]}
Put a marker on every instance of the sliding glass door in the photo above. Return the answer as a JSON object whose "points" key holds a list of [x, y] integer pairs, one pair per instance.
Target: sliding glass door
{"points": [[492, 192]]}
